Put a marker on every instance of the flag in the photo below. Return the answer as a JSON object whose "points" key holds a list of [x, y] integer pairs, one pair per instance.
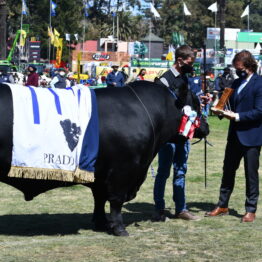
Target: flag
{"points": [[24, 8], [56, 38], [171, 51], [59, 52], [51, 35], [258, 47], [213, 7], [113, 11], [154, 11], [186, 11], [76, 37], [86, 6], [56, 33], [67, 37], [53, 7], [246, 11], [122, 7], [22, 38]]}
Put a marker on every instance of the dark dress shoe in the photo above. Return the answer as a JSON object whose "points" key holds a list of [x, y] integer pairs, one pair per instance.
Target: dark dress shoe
{"points": [[159, 216], [218, 211], [248, 217]]}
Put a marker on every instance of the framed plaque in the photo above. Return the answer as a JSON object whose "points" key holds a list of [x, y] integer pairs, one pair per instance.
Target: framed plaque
{"points": [[220, 104]]}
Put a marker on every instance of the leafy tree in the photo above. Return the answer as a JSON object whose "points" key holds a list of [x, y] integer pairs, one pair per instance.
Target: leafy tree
{"points": [[132, 26]]}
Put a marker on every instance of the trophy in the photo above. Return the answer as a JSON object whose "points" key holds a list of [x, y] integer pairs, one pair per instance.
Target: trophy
{"points": [[220, 104]]}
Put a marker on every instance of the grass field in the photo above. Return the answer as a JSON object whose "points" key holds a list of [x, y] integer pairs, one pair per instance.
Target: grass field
{"points": [[56, 226]]}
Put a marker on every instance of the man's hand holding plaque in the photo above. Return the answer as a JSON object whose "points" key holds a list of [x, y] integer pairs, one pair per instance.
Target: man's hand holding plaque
{"points": [[229, 115], [220, 105]]}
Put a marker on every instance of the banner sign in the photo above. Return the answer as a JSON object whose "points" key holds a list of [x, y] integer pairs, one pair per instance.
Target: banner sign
{"points": [[145, 63], [59, 50], [151, 72], [101, 56], [34, 51]]}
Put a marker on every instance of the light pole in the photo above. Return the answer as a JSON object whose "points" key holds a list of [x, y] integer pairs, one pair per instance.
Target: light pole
{"points": [[222, 8], [3, 13]]}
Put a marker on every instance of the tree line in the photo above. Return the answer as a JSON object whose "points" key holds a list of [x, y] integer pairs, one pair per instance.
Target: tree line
{"points": [[133, 23]]}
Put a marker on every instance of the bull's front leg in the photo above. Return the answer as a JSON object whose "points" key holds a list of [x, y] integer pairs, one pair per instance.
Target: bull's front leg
{"points": [[116, 220], [99, 215]]}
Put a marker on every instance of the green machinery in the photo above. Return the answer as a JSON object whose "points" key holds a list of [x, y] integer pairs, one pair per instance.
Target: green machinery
{"points": [[8, 63]]}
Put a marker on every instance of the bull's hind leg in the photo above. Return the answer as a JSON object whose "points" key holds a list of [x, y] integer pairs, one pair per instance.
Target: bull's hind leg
{"points": [[99, 215], [116, 220]]}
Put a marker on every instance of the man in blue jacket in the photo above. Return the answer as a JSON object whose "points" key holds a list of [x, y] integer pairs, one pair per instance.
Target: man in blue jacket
{"points": [[244, 136], [115, 78], [195, 83]]}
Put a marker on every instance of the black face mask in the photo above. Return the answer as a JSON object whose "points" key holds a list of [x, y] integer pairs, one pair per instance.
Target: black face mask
{"points": [[241, 74], [186, 68]]}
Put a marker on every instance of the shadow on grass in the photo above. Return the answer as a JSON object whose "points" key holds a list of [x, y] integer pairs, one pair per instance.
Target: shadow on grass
{"points": [[65, 224], [139, 212], [44, 224], [203, 206]]}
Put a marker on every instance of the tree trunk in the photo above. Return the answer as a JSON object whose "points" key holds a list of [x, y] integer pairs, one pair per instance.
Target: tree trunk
{"points": [[3, 13]]}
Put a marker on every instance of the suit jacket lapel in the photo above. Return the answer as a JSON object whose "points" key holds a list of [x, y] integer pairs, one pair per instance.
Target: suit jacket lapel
{"points": [[245, 90]]}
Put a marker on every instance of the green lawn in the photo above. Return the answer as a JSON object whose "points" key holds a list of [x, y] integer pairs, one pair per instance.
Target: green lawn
{"points": [[56, 226]]}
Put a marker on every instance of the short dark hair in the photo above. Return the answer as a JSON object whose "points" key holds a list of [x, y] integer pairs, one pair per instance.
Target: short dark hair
{"points": [[33, 67], [184, 51], [247, 59]]}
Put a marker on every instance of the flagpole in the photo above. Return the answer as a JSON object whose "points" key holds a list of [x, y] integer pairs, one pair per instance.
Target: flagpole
{"points": [[69, 59], [84, 28], [215, 37], [248, 22], [117, 26], [150, 29], [149, 44], [50, 26], [84, 33], [113, 26], [20, 38]]}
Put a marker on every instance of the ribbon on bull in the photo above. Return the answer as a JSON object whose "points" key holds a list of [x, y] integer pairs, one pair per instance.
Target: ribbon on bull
{"points": [[189, 122]]}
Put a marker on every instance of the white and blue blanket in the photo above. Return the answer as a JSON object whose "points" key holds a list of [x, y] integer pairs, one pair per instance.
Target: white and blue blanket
{"points": [[55, 133]]}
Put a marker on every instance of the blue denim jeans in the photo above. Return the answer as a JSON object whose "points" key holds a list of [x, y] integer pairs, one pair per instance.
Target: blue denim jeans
{"points": [[176, 154]]}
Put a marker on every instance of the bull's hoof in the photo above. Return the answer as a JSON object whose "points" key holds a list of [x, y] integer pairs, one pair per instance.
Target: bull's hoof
{"points": [[120, 232]]}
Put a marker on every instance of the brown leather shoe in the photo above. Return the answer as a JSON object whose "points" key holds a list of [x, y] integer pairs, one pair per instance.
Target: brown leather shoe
{"points": [[248, 217], [218, 211], [186, 215]]}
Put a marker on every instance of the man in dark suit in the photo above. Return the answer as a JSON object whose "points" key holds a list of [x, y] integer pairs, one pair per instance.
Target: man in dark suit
{"points": [[244, 136]]}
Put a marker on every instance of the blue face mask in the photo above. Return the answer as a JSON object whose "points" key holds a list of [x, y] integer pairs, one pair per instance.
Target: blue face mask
{"points": [[241, 73]]}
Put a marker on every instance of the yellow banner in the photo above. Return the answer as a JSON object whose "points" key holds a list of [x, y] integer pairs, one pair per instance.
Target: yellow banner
{"points": [[79, 58], [22, 38], [51, 35], [59, 50], [56, 38]]}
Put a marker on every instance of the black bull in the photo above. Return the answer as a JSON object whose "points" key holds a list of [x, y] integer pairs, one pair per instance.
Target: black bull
{"points": [[134, 122]]}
